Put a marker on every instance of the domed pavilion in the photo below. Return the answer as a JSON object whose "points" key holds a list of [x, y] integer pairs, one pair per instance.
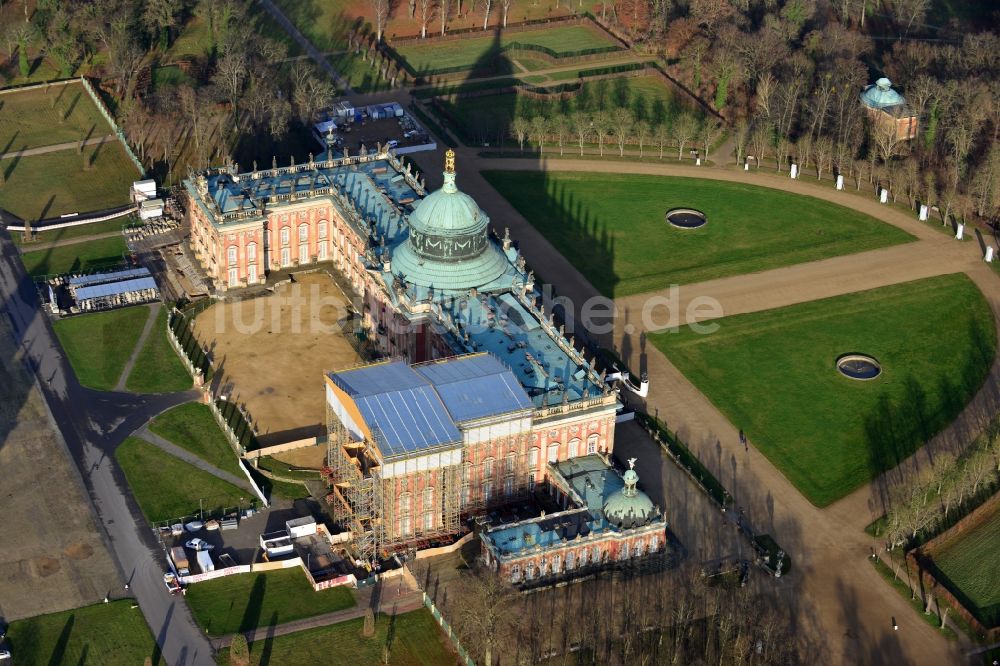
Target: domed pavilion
{"points": [[630, 507], [888, 108]]}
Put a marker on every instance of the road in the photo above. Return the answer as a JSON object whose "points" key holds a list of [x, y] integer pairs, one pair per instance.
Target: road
{"points": [[41, 150], [92, 424]]}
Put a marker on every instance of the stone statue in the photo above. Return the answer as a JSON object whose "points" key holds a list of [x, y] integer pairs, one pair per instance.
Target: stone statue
{"points": [[274, 162], [631, 463]]}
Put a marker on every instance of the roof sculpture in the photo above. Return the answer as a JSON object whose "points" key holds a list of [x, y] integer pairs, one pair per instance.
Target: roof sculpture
{"points": [[630, 507]]}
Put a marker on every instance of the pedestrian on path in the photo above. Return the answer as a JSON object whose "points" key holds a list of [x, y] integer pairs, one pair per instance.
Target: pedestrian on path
{"points": [[743, 441]]}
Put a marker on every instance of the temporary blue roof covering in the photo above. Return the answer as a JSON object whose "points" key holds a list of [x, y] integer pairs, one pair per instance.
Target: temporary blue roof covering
{"points": [[114, 288], [401, 405], [419, 407], [98, 278], [476, 386]]}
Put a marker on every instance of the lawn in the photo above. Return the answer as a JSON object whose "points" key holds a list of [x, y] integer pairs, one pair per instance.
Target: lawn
{"points": [[648, 97], [472, 50], [969, 566], [99, 344], [53, 184], [191, 426], [75, 258], [773, 374], [157, 368], [246, 601], [167, 488], [40, 117], [416, 641], [112, 634], [612, 227]]}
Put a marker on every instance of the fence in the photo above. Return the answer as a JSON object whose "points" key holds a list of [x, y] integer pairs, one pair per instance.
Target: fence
{"points": [[463, 656], [184, 342], [111, 121]]}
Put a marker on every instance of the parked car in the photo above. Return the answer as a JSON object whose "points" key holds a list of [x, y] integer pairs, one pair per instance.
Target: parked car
{"points": [[199, 544]]}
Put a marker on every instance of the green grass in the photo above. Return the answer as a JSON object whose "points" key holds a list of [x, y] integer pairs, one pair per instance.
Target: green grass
{"points": [[773, 374], [359, 75], [31, 118], [112, 634], [241, 603], [969, 565], [99, 345], [167, 488], [276, 488], [612, 227], [416, 641], [78, 257], [472, 50], [191, 426], [157, 368], [275, 466], [53, 184]]}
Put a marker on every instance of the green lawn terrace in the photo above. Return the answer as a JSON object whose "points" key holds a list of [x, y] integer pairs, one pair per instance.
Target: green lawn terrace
{"points": [[56, 183], [488, 119], [111, 634], [48, 115], [99, 344], [612, 227], [968, 566], [774, 375], [486, 52]]}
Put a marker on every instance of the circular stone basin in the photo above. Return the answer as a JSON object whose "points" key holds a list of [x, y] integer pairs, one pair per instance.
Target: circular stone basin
{"points": [[859, 366], [686, 218]]}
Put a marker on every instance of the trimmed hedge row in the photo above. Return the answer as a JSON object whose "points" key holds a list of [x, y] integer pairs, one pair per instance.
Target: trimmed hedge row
{"points": [[513, 46]]}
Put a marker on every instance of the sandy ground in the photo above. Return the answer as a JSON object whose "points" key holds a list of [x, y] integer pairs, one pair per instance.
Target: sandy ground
{"points": [[312, 457], [272, 351], [52, 557]]}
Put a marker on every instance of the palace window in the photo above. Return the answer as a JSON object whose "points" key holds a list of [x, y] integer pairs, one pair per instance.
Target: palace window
{"points": [[322, 251], [466, 495], [251, 252], [583, 557], [592, 444], [466, 471], [508, 486], [488, 467], [637, 549], [303, 233], [404, 503], [285, 235], [570, 560], [234, 277], [487, 492], [233, 252], [531, 480], [252, 273], [529, 571], [321, 229], [429, 520], [405, 525], [428, 498], [554, 452], [533, 457], [508, 466], [574, 448], [515, 573], [556, 564]]}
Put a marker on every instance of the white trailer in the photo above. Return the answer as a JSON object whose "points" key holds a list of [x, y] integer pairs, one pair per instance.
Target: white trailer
{"points": [[205, 561]]}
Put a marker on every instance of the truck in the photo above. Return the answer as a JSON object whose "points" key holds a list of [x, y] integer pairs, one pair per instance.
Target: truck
{"points": [[205, 561], [180, 560]]}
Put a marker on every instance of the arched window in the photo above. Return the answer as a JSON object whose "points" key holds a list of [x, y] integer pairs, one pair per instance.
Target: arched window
{"points": [[529, 571], [583, 557], [321, 229], [232, 252], [251, 252], [556, 564], [488, 467], [405, 503], [466, 471], [303, 233], [285, 234], [574, 448], [592, 444], [428, 498], [570, 560], [637, 549], [508, 486], [487, 492], [508, 465], [533, 457], [543, 567], [515, 573], [553, 451], [429, 520]]}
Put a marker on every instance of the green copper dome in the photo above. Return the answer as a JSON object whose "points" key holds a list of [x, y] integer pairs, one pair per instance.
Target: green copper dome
{"points": [[448, 246], [630, 507]]}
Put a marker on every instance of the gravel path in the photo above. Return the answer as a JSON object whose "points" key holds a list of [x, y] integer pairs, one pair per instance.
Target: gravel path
{"points": [[154, 310]]}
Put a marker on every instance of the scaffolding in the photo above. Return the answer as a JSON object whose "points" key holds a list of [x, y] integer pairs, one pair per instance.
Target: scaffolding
{"points": [[355, 494]]}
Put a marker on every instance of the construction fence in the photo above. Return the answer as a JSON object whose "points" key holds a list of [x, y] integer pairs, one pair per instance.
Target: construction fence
{"points": [[463, 656]]}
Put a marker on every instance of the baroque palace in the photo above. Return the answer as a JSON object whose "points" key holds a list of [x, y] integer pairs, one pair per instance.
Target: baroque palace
{"points": [[485, 405]]}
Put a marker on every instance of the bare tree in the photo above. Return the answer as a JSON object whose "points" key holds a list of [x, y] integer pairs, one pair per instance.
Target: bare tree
{"points": [[560, 127], [485, 612], [684, 129], [642, 130], [741, 135], [908, 13], [711, 130], [426, 14], [160, 17], [823, 150], [380, 10], [581, 127], [601, 124], [506, 5], [487, 6], [230, 76], [622, 121], [539, 127], [520, 127], [661, 134]]}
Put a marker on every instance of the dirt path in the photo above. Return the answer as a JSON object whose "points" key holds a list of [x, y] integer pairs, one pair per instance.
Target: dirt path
{"points": [[48, 245], [845, 605], [169, 447], [55, 147], [154, 310]]}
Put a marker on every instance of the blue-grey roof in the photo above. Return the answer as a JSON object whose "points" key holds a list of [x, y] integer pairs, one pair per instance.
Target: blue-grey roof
{"points": [[880, 95], [476, 386], [400, 406], [420, 407], [114, 288], [114, 276]]}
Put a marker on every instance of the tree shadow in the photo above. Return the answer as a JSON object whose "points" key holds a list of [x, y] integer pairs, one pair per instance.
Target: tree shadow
{"points": [[265, 653], [255, 604], [59, 649]]}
